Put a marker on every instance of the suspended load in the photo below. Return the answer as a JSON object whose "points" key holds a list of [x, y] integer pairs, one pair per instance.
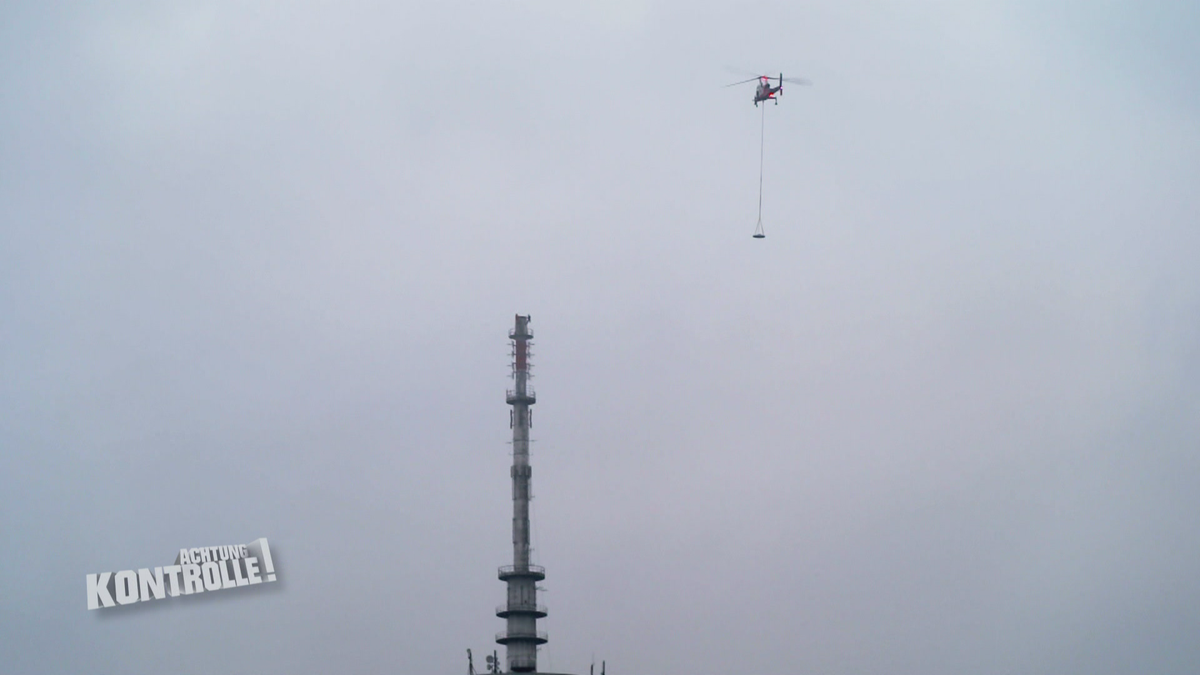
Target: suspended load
{"points": [[765, 92]]}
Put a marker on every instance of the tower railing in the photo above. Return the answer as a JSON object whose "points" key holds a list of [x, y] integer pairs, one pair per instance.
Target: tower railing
{"points": [[509, 571], [512, 396], [522, 635], [521, 607], [519, 569]]}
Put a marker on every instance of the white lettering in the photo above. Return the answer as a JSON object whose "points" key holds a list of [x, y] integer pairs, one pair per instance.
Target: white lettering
{"points": [[99, 587], [238, 578], [172, 572], [252, 570], [151, 585], [192, 582], [209, 571], [126, 587], [226, 582]]}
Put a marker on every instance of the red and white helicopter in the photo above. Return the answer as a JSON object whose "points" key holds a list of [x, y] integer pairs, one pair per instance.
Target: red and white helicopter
{"points": [[765, 91]]}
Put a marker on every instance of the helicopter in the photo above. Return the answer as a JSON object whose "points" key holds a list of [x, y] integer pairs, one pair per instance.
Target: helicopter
{"points": [[765, 91]]}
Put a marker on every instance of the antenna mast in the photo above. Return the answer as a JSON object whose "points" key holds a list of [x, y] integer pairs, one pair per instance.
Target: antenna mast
{"points": [[521, 638]]}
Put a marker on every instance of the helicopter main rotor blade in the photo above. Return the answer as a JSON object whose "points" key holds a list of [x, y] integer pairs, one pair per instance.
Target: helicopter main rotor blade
{"points": [[753, 79], [741, 71], [795, 80]]}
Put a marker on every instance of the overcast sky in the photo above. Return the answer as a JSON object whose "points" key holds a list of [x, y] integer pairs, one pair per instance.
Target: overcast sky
{"points": [[258, 262]]}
